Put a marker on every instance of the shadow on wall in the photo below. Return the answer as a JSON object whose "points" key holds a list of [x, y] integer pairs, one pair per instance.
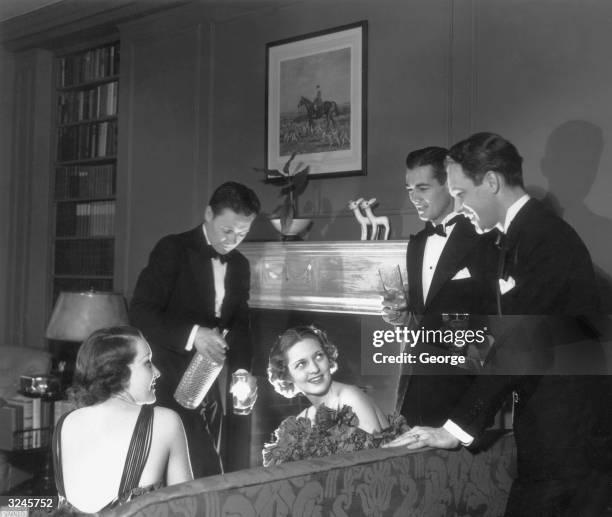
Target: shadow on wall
{"points": [[571, 163]]}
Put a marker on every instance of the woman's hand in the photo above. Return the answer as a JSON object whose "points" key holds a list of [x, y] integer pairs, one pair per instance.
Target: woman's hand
{"points": [[419, 437]]}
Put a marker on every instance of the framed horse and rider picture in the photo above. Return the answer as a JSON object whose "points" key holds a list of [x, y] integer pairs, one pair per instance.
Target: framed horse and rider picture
{"points": [[316, 101]]}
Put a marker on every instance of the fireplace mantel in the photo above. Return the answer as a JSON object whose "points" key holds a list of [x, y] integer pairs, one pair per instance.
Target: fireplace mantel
{"points": [[328, 276]]}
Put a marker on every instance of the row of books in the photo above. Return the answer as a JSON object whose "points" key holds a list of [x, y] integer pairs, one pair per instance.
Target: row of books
{"points": [[92, 140], [85, 181], [94, 219], [84, 257], [77, 105], [88, 66], [27, 423]]}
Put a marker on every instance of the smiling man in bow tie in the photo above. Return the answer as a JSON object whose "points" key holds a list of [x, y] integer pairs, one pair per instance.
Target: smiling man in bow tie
{"points": [[451, 283], [195, 285], [547, 300]]}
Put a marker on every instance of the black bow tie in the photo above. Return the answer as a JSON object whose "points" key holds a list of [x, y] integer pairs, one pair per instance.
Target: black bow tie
{"points": [[213, 253], [440, 229], [500, 240], [434, 229]]}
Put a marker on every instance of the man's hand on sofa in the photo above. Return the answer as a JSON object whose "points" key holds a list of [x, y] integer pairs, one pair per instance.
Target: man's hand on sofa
{"points": [[419, 437]]}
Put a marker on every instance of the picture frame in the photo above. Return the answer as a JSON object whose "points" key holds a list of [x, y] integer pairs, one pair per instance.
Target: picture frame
{"points": [[316, 102]]}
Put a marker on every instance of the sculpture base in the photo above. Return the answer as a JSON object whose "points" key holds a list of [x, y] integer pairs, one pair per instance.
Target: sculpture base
{"points": [[297, 227], [289, 238]]}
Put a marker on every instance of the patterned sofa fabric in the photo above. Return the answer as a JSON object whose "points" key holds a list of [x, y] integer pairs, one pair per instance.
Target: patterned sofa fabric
{"points": [[382, 482]]}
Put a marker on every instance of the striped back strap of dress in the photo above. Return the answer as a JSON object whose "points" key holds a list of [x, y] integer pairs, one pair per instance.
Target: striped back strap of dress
{"points": [[138, 452]]}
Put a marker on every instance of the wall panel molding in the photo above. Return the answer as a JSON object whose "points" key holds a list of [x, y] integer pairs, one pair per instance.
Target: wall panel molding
{"points": [[462, 69], [62, 22], [27, 290]]}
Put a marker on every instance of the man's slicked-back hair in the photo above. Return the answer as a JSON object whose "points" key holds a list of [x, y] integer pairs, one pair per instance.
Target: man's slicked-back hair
{"points": [[236, 197], [483, 152], [433, 156]]}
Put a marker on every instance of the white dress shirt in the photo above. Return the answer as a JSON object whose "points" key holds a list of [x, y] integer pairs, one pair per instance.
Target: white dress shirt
{"points": [[432, 252], [512, 211], [219, 278]]}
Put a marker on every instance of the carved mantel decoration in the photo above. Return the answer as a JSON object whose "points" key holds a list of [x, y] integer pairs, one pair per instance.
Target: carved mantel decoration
{"points": [[333, 276]]}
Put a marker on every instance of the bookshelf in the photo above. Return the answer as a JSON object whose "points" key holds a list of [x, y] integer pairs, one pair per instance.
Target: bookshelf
{"points": [[85, 169]]}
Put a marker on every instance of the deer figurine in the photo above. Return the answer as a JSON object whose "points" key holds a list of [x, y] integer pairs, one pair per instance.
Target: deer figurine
{"points": [[363, 220], [376, 221]]}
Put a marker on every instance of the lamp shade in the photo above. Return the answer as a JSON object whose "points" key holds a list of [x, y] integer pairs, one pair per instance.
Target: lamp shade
{"points": [[76, 315]]}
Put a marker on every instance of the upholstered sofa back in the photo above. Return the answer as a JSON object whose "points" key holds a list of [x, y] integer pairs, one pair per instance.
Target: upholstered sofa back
{"points": [[367, 483]]}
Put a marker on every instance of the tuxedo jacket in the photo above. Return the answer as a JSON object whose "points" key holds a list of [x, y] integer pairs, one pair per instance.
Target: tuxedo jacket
{"points": [[557, 420], [429, 394], [464, 251], [175, 291]]}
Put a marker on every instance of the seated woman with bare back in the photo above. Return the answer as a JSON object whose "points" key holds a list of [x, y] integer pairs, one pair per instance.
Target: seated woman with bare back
{"points": [[116, 445], [341, 419]]}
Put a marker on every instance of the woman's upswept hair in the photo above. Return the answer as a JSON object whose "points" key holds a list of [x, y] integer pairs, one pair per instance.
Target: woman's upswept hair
{"points": [[278, 369], [102, 364]]}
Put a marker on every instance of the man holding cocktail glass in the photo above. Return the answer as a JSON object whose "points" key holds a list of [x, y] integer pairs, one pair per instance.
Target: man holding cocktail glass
{"points": [[451, 284]]}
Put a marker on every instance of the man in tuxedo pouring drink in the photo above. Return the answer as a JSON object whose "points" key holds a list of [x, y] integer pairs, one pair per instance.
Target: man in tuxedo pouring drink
{"points": [[192, 292]]}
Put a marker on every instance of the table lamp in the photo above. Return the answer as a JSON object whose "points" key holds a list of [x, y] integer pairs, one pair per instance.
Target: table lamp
{"points": [[75, 316]]}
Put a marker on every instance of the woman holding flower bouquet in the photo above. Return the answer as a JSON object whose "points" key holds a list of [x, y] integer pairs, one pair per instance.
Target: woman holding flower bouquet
{"points": [[341, 419]]}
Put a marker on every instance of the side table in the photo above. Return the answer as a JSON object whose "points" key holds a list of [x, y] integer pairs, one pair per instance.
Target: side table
{"points": [[32, 452]]}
